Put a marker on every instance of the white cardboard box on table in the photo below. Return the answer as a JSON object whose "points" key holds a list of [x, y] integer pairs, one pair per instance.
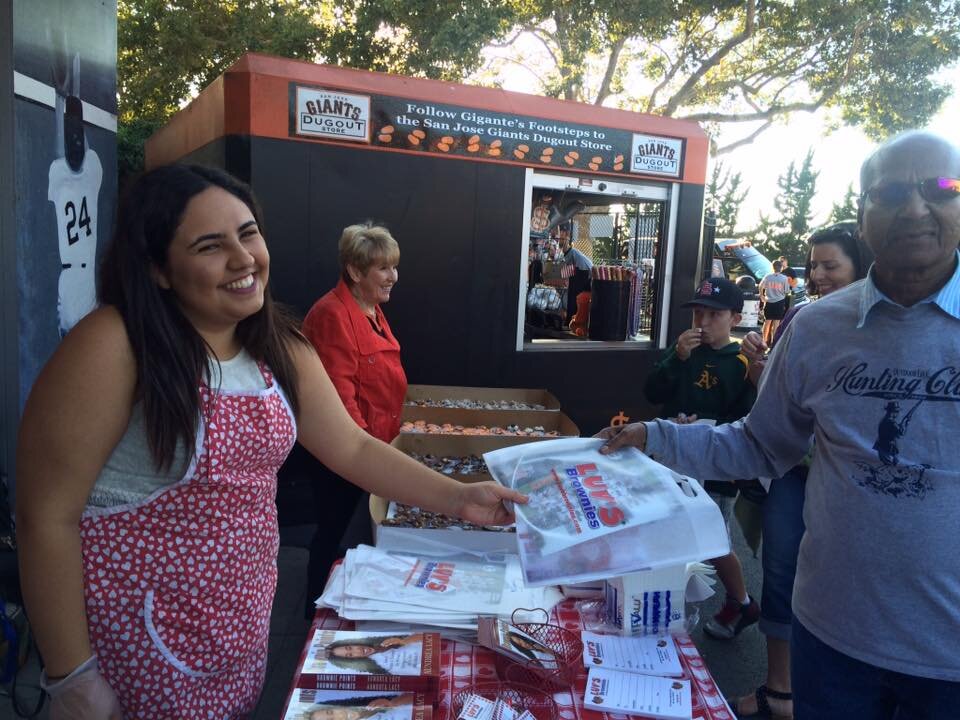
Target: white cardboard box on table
{"points": [[436, 541]]}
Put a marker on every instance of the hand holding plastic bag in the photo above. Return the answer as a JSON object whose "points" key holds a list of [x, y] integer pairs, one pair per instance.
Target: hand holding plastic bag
{"points": [[84, 694], [595, 514]]}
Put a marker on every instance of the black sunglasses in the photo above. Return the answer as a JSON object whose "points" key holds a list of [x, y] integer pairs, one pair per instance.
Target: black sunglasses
{"points": [[935, 190]]}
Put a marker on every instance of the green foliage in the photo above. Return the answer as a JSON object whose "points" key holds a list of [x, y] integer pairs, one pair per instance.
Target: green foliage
{"points": [[131, 136], [725, 198], [168, 51], [605, 248], [845, 209], [725, 62], [442, 39], [717, 63], [616, 246], [786, 233], [797, 188]]}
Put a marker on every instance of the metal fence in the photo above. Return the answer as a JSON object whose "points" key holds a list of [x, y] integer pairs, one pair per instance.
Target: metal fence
{"points": [[625, 234]]}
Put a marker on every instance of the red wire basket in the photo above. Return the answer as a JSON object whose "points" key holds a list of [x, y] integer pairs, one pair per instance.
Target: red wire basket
{"points": [[520, 697], [566, 646]]}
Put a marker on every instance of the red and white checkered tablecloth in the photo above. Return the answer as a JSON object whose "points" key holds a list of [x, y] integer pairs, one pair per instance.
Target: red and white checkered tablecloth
{"points": [[462, 664]]}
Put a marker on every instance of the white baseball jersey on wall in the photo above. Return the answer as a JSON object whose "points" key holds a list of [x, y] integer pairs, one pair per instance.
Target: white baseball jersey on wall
{"points": [[75, 196]]}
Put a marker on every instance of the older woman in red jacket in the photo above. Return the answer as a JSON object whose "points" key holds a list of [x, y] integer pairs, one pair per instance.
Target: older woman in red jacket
{"points": [[362, 358]]}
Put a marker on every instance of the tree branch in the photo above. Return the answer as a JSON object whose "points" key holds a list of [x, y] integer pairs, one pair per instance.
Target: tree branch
{"points": [[544, 37], [770, 112], [510, 40], [744, 141], [687, 88], [774, 107], [538, 76], [612, 63], [669, 75]]}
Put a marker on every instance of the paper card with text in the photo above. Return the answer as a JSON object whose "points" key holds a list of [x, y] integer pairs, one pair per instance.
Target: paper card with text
{"points": [[633, 694], [647, 655]]}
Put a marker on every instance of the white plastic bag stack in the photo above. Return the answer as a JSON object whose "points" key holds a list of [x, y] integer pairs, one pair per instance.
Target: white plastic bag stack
{"points": [[594, 516], [372, 584]]}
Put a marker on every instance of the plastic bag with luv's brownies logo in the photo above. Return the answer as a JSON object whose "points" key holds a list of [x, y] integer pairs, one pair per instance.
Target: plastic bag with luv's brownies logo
{"points": [[594, 516]]}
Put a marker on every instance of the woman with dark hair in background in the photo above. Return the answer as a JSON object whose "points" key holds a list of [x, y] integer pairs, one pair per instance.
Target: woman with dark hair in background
{"points": [[147, 456], [836, 258]]}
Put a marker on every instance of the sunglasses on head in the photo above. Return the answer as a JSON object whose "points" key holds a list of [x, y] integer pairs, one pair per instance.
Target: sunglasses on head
{"points": [[934, 190]]}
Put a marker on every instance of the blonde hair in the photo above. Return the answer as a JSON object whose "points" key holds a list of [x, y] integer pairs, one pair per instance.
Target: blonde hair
{"points": [[363, 245]]}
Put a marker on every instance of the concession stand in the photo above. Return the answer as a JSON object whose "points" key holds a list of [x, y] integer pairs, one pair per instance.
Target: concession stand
{"points": [[481, 187], [546, 249]]}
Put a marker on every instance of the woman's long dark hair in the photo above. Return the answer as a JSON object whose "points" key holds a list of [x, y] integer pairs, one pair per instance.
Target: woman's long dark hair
{"points": [[846, 236], [171, 356], [360, 664]]}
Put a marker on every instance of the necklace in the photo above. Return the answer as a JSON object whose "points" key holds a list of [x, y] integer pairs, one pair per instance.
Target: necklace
{"points": [[370, 312]]}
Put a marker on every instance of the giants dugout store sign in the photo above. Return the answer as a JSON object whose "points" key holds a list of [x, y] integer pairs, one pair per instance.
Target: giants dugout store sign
{"points": [[439, 129]]}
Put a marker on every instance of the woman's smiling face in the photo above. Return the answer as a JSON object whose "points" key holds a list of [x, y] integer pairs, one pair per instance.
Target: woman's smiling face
{"points": [[353, 651], [830, 268], [217, 262], [373, 287]]}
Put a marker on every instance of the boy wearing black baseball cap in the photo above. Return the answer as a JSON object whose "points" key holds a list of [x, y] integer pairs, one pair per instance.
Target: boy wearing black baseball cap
{"points": [[704, 376]]}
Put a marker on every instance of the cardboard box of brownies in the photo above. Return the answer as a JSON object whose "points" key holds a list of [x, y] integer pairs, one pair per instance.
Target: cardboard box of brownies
{"points": [[447, 404], [460, 457]]}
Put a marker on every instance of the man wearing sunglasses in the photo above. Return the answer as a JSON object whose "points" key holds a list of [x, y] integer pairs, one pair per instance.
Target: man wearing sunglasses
{"points": [[872, 368]]}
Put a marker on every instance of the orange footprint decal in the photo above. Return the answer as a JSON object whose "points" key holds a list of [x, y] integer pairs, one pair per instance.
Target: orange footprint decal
{"points": [[386, 134], [416, 137]]}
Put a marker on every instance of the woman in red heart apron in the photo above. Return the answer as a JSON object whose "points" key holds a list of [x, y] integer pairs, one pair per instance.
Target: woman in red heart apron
{"points": [[206, 591], [149, 588]]}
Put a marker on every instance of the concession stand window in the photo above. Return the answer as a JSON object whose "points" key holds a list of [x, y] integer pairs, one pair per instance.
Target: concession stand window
{"points": [[621, 228]]}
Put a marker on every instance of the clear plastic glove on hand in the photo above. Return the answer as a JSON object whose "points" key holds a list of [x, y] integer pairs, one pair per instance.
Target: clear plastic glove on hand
{"points": [[84, 694]]}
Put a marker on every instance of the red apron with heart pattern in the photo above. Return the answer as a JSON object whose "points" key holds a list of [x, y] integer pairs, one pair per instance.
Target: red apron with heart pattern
{"points": [[179, 588]]}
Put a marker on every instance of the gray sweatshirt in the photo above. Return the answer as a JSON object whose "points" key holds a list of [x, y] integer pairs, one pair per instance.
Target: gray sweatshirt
{"points": [[878, 386]]}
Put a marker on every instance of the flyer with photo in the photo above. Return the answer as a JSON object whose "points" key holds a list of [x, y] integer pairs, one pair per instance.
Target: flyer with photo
{"points": [[309, 704], [509, 640], [343, 652]]}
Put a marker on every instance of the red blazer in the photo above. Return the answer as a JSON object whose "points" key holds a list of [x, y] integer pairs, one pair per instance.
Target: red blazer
{"points": [[363, 365]]}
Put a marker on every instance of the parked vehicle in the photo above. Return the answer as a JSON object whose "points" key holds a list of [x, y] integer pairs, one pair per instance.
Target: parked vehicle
{"points": [[742, 263]]}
